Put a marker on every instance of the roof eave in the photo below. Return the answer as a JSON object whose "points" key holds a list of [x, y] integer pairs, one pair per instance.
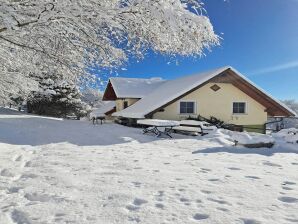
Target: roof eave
{"points": [[289, 111]]}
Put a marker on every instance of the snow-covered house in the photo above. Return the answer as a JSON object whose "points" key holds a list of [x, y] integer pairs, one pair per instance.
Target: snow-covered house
{"points": [[223, 93]]}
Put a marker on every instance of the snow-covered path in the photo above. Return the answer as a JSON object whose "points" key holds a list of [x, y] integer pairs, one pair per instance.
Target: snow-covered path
{"points": [[54, 171]]}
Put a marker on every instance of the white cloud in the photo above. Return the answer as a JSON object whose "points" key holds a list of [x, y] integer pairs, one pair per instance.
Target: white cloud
{"points": [[276, 68]]}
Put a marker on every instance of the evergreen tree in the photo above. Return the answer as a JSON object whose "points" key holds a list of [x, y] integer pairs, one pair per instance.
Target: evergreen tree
{"points": [[56, 97]]}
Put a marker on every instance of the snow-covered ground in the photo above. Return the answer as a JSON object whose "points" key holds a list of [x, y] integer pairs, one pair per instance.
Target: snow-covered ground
{"points": [[55, 171]]}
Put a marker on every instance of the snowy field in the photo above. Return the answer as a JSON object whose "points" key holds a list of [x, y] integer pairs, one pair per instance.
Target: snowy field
{"points": [[55, 171]]}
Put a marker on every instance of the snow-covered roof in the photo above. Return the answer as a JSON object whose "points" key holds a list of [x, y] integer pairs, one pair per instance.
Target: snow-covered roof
{"points": [[173, 89], [165, 93], [106, 107], [263, 91], [134, 87]]}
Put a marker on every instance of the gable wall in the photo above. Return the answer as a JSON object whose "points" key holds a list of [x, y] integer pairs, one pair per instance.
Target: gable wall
{"points": [[120, 103], [218, 104]]}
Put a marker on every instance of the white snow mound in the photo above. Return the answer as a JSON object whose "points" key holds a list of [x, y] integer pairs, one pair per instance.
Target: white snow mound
{"points": [[251, 138]]}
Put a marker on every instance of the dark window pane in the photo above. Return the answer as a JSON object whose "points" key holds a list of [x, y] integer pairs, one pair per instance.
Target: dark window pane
{"points": [[190, 104], [190, 110], [182, 107], [182, 110], [239, 108], [187, 107], [183, 104]]}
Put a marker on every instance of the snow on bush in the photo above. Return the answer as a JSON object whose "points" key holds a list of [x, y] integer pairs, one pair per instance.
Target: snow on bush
{"points": [[290, 135], [246, 138]]}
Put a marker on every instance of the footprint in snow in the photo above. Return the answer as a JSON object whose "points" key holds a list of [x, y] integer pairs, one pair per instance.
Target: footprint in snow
{"points": [[19, 217], [27, 176], [132, 208], [288, 199], [159, 205], [139, 201], [42, 197], [287, 188], [160, 193], [18, 158], [6, 173], [250, 221], [206, 192], [134, 219], [253, 177], [223, 209], [295, 164], [222, 202], [29, 164], [213, 179], [138, 168], [184, 200], [234, 168], [200, 216], [205, 169], [13, 190], [292, 220], [137, 184], [288, 183], [136, 204], [268, 163]]}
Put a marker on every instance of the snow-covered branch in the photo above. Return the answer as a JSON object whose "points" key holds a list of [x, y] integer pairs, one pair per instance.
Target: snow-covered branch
{"points": [[70, 36]]}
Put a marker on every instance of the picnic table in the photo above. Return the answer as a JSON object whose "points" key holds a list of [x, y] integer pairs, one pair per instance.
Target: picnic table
{"points": [[158, 127]]}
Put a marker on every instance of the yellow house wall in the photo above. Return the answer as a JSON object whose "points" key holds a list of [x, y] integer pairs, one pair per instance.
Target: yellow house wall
{"points": [[218, 104], [120, 103]]}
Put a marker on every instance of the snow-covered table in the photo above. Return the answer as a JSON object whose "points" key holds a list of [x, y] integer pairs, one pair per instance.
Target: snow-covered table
{"points": [[155, 126]]}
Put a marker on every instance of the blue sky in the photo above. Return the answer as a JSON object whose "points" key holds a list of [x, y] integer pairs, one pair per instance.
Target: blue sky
{"points": [[260, 39]]}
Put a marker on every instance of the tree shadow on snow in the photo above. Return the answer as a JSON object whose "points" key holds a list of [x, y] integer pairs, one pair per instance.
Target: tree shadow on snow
{"points": [[244, 150]]}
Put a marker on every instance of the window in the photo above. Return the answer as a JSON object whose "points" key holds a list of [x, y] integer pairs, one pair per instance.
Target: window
{"points": [[187, 107], [239, 108]]}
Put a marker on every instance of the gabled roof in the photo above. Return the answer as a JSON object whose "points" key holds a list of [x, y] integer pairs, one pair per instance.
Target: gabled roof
{"points": [[173, 89], [131, 87]]}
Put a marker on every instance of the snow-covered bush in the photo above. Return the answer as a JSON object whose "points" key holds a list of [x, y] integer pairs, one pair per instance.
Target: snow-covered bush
{"points": [[290, 135], [245, 138]]}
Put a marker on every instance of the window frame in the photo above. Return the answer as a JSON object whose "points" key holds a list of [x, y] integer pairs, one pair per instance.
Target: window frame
{"points": [[245, 107], [187, 101]]}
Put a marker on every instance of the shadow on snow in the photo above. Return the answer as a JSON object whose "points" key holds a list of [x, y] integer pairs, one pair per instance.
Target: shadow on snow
{"points": [[243, 150]]}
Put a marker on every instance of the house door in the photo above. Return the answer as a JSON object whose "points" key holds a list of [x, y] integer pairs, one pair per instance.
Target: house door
{"points": [[125, 104]]}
